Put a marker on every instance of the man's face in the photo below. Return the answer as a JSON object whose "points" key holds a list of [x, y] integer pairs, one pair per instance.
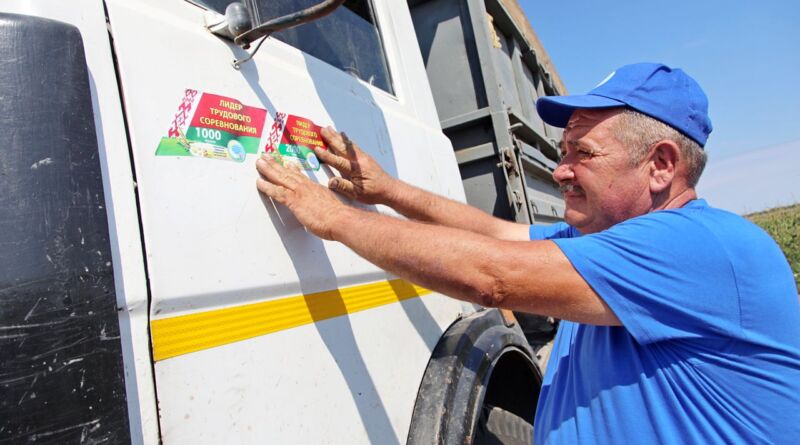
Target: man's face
{"points": [[600, 186]]}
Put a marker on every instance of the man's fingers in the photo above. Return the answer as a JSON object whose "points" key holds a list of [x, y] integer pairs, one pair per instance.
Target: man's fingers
{"points": [[350, 147], [339, 163], [343, 186], [334, 141], [329, 135], [339, 143], [277, 174], [271, 190], [266, 166]]}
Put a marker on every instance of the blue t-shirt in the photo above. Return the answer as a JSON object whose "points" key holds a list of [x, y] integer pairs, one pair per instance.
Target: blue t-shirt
{"points": [[709, 350]]}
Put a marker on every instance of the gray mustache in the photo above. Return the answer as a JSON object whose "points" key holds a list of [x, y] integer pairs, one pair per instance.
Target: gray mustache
{"points": [[564, 188]]}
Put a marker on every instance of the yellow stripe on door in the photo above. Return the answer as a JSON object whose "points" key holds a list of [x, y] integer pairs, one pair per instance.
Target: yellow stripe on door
{"points": [[183, 334]]}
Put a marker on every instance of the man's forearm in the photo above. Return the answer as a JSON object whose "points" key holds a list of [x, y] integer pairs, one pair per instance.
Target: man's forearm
{"points": [[530, 276], [430, 255], [422, 205]]}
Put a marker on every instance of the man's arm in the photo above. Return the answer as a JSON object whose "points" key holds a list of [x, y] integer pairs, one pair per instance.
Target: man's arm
{"points": [[364, 180], [421, 205], [528, 276]]}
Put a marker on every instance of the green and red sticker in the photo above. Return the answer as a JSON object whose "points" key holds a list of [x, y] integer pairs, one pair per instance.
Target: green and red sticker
{"points": [[217, 127], [292, 138], [211, 126]]}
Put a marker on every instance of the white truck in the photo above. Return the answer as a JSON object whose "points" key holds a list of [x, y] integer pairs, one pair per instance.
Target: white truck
{"points": [[149, 294]]}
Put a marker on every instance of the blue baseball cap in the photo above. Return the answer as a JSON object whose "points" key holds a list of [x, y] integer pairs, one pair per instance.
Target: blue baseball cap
{"points": [[663, 93]]}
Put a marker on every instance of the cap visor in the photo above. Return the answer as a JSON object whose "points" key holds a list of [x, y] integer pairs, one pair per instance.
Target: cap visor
{"points": [[556, 110]]}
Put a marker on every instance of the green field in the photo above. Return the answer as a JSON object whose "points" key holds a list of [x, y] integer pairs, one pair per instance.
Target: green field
{"points": [[783, 224]]}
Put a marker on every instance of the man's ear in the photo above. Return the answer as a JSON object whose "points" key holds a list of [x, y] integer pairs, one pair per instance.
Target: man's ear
{"points": [[664, 158]]}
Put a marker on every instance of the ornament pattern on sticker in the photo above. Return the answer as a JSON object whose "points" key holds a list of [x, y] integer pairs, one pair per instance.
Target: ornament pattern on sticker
{"points": [[275, 132], [184, 109]]}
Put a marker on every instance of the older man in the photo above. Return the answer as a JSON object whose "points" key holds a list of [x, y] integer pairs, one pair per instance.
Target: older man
{"points": [[682, 322]]}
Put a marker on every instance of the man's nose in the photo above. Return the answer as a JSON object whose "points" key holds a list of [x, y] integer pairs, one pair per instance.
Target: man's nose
{"points": [[563, 172]]}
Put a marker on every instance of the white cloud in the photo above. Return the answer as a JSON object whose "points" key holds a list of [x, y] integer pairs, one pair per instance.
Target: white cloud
{"points": [[755, 180]]}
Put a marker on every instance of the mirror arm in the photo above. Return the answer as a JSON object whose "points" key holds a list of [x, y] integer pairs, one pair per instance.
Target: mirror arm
{"points": [[287, 21]]}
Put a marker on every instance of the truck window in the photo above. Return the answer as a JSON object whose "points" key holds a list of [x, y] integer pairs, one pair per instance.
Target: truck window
{"points": [[348, 39]]}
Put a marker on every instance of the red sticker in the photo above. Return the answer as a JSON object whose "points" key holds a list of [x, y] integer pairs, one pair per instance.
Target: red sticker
{"points": [[224, 113], [292, 139]]}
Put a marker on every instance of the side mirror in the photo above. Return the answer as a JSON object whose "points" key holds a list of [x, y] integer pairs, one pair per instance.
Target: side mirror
{"points": [[236, 14], [235, 22]]}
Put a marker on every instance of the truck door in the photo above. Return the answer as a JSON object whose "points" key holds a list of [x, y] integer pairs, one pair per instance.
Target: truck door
{"points": [[261, 332]]}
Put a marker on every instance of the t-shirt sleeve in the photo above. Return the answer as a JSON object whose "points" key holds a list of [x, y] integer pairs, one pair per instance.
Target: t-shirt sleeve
{"points": [[553, 231], [664, 275]]}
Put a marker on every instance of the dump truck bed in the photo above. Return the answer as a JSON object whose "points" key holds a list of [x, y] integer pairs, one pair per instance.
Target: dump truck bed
{"points": [[486, 69]]}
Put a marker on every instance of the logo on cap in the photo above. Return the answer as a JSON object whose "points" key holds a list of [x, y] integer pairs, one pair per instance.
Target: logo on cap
{"points": [[606, 79]]}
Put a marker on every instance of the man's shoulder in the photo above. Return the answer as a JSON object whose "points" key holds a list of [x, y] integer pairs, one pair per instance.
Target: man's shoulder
{"points": [[696, 231], [700, 218], [707, 235]]}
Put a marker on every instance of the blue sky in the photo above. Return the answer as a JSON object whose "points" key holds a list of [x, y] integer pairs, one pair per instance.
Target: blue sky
{"points": [[745, 54]]}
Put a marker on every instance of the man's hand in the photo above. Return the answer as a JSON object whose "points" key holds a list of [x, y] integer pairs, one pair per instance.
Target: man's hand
{"points": [[316, 207], [362, 178]]}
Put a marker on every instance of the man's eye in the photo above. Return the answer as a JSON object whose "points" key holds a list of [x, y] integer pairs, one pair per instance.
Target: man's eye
{"points": [[585, 154]]}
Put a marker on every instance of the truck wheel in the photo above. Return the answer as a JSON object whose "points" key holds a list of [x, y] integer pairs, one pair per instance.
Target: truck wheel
{"points": [[479, 362], [500, 427]]}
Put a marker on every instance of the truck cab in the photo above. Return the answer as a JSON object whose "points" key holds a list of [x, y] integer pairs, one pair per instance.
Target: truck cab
{"points": [[150, 294]]}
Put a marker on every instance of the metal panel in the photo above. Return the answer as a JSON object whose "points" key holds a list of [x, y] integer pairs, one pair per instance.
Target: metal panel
{"points": [[544, 198], [529, 85], [500, 124], [446, 40], [503, 46], [485, 186]]}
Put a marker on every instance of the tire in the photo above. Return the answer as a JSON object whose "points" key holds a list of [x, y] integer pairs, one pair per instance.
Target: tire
{"points": [[500, 427]]}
